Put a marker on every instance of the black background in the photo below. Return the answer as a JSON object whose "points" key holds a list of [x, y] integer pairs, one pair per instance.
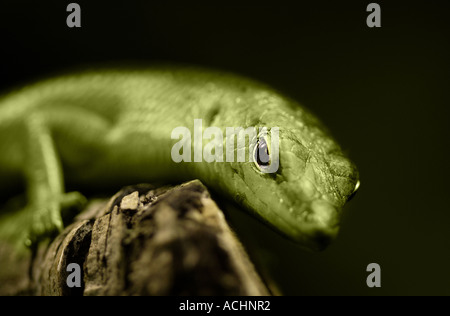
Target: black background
{"points": [[383, 92]]}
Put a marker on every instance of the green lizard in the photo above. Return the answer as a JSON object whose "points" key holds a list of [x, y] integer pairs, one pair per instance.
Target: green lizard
{"points": [[113, 127]]}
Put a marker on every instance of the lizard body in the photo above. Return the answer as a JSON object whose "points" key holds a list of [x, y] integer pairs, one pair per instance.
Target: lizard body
{"points": [[109, 127]]}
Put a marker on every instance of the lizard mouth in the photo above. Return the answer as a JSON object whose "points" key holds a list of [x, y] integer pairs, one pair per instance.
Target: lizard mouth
{"points": [[323, 214], [315, 226]]}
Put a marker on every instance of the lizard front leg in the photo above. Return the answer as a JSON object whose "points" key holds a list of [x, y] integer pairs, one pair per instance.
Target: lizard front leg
{"points": [[44, 179]]}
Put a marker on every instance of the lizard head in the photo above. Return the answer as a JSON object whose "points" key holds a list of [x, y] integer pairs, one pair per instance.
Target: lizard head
{"points": [[311, 178]]}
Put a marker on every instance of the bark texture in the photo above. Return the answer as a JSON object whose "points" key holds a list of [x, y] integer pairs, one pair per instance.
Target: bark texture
{"points": [[143, 241]]}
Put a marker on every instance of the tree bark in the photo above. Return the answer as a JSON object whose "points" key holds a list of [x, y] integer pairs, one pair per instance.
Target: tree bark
{"points": [[171, 240]]}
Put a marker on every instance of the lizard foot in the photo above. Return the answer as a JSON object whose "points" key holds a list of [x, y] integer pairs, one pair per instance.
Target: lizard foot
{"points": [[72, 204], [48, 220]]}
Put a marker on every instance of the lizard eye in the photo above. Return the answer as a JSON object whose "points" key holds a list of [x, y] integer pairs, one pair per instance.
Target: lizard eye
{"points": [[261, 154]]}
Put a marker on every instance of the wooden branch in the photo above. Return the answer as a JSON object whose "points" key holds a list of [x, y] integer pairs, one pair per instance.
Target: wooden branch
{"points": [[148, 241]]}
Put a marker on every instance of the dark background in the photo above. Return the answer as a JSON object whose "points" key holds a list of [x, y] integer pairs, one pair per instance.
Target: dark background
{"points": [[383, 92]]}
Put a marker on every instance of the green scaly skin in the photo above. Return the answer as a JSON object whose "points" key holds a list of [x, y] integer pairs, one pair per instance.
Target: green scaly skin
{"points": [[113, 127]]}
